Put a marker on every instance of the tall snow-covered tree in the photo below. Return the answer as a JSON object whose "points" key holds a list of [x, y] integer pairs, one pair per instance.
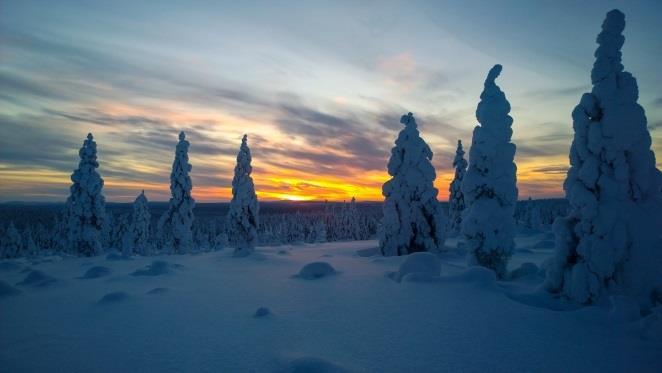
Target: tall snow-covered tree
{"points": [[413, 219], [610, 241], [140, 223], [12, 245], [175, 224], [489, 186], [456, 198], [243, 215], [84, 220]]}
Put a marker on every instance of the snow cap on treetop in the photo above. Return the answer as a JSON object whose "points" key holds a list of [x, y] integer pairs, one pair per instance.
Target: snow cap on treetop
{"points": [[408, 120], [610, 40], [494, 73]]}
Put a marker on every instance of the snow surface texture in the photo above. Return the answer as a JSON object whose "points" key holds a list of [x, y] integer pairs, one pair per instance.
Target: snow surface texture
{"points": [[84, 217], [243, 215], [610, 242], [140, 226], [359, 321], [413, 219], [175, 225], [489, 186], [95, 272], [456, 199]]}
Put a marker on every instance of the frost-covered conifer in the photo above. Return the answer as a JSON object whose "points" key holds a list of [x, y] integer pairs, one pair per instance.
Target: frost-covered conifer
{"points": [[456, 199], [84, 218], [489, 186], [243, 216], [413, 219], [610, 240], [12, 246], [175, 224], [31, 248], [320, 231], [220, 241], [120, 227], [140, 224]]}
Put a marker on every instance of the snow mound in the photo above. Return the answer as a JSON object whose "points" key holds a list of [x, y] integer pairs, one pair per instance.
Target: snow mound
{"points": [[7, 290], [37, 279], [545, 244], [651, 325], [114, 297], [157, 268], [479, 275], [157, 291], [309, 365], [95, 272], [526, 269], [315, 270], [262, 312], [623, 309], [367, 252], [9, 266], [115, 256], [419, 266]]}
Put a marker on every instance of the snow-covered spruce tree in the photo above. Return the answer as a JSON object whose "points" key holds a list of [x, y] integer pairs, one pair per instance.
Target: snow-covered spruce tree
{"points": [[175, 224], [120, 227], [12, 245], [456, 198], [610, 240], [413, 218], [140, 223], [84, 217], [489, 186], [30, 246], [243, 215], [320, 231]]}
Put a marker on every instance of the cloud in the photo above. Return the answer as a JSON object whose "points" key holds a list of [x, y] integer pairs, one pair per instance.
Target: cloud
{"points": [[553, 169]]}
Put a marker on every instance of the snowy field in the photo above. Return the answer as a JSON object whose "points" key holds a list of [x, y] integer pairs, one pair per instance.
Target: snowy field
{"points": [[199, 313]]}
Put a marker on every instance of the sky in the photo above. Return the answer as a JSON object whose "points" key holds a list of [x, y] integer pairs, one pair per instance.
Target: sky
{"points": [[318, 87]]}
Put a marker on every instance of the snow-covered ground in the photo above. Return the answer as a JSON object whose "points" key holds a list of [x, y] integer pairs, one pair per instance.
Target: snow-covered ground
{"points": [[191, 313]]}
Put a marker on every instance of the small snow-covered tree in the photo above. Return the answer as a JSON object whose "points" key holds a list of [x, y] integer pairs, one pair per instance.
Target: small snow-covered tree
{"points": [[31, 248], [489, 186], [140, 223], [175, 224], [413, 219], [456, 198], [243, 215], [120, 227], [610, 241], [220, 241], [320, 231], [84, 219], [12, 246]]}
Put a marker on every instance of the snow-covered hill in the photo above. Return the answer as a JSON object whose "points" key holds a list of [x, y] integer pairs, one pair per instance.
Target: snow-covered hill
{"points": [[212, 312]]}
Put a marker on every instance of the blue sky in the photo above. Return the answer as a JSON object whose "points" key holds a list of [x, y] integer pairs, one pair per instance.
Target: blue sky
{"points": [[318, 86]]}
